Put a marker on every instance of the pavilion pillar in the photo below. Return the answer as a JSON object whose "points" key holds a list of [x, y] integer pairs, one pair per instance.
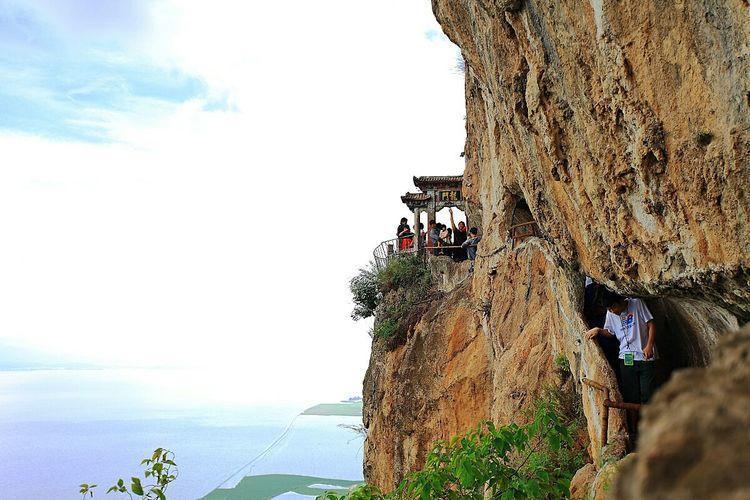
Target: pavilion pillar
{"points": [[418, 244], [431, 213]]}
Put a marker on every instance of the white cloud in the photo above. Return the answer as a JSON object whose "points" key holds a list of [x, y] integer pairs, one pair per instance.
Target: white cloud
{"points": [[228, 237]]}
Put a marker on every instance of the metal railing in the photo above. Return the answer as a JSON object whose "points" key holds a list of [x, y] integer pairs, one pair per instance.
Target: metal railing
{"points": [[394, 248], [398, 247]]}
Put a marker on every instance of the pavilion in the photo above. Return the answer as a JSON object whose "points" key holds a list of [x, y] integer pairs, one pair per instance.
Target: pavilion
{"points": [[436, 193]]}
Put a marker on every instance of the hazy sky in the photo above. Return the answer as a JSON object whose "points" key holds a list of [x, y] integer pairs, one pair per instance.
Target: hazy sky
{"points": [[192, 183]]}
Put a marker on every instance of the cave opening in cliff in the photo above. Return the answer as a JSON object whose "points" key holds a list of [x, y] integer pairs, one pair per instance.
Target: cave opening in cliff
{"points": [[686, 329], [522, 223]]}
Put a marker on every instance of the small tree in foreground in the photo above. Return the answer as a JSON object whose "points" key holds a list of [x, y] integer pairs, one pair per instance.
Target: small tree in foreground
{"points": [[160, 469], [365, 292], [506, 462]]}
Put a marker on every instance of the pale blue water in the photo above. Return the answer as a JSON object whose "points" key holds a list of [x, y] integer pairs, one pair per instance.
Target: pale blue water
{"points": [[61, 428]]}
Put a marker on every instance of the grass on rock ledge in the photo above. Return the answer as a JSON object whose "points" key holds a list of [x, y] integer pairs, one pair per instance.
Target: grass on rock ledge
{"points": [[395, 295]]}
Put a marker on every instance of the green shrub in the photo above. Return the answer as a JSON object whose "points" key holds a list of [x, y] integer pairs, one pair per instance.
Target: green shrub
{"points": [[369, 285], [506, 462], [561, 363], [161, 470], [365, 292], [361, 492], [566, 404], [409, 271], [397, 292], [385, 329]]}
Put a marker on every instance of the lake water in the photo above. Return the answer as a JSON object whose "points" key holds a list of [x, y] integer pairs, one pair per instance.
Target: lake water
{"points": [[61, 428]]}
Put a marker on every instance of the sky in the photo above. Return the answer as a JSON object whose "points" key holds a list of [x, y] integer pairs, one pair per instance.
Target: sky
{"points": [[193, 184]]}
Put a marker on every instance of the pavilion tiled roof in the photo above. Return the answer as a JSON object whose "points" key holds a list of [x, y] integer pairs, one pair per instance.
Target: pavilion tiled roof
{"points": [[437, 179], [415, 197]]}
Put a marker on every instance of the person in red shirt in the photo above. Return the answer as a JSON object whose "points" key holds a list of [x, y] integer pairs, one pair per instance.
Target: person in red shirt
{"points": [[405, 238]]}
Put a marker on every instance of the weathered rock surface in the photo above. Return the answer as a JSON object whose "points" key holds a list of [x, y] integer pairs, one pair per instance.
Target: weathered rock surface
{"points": [[581, 482], [695, 441], [475, 357], [435, 385], [625, 127]]}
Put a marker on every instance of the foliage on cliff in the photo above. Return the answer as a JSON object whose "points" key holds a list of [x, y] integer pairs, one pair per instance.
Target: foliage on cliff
{"points": [[404, 272], [536, 460], [393, 295], [365, 292], [406, 285]]}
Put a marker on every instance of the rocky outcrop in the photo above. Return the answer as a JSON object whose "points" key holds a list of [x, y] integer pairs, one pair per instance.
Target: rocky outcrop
{"points": [[625, 127], [475, 356], [695, 441], [581, 482], [433, 386]]}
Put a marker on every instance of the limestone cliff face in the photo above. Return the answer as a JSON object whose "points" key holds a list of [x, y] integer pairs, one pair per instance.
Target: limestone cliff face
{"points": [[624, 125], [437, 384]]}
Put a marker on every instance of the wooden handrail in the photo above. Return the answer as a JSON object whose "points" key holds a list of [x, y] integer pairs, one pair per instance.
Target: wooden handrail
{"points": [[608, 403], [622, 405], [595, 385], [522, 224], [605, 413]]}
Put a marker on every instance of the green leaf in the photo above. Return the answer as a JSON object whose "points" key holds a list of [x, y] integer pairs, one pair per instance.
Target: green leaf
{"points": [[554, 441], [136, 487], [543, 475]]}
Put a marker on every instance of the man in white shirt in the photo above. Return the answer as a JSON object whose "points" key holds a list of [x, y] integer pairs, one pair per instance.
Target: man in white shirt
{"points": [[630, 321]]}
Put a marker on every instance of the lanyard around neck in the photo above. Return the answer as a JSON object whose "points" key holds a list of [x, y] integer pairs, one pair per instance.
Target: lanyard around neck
{"points": [[624, 328]]}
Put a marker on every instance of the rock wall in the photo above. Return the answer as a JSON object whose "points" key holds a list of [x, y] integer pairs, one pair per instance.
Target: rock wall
{"points": [[696, 440], [625, 127], [482, 351], [433, 386]]}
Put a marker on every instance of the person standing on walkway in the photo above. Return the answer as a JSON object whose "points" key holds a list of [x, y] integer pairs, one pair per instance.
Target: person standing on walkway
{"points": [[402, 224], [433, 232], [459, 236], [405, 238], [471, 246], [632, 324]]}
